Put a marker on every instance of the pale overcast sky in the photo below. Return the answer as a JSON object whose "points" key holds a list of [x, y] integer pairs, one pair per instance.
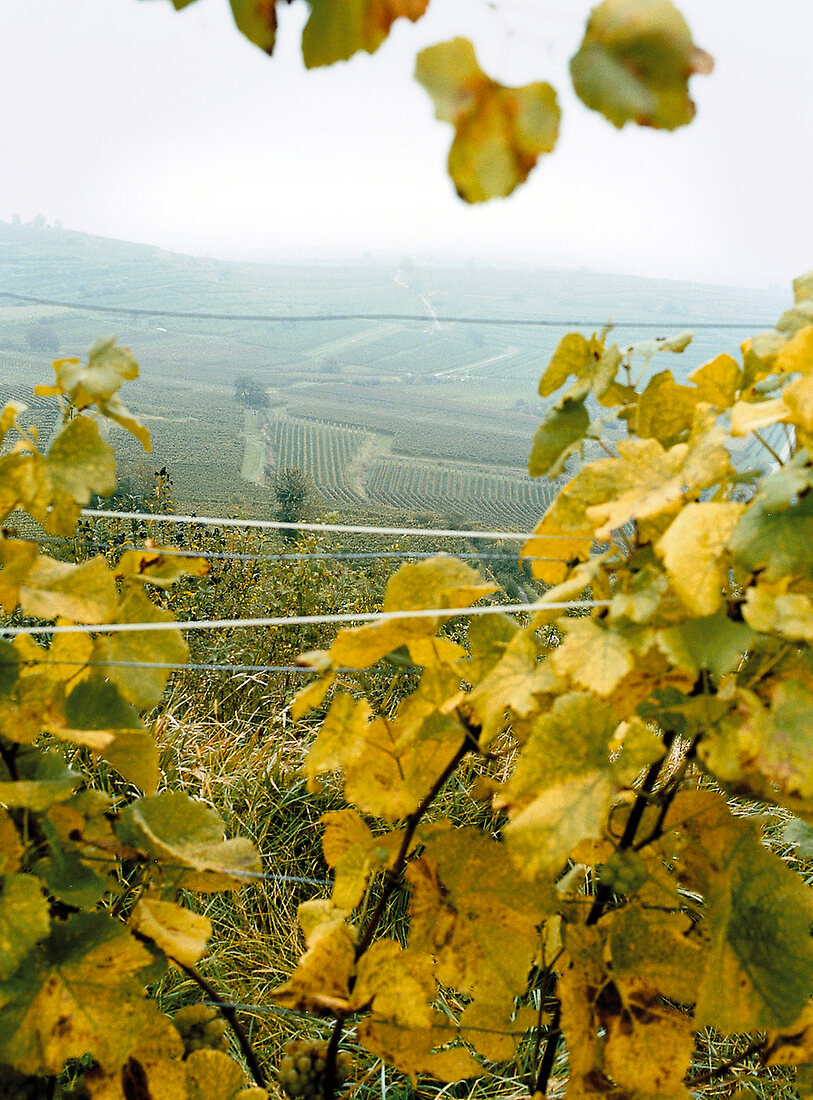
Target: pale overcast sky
{"points": [[128, 119]]}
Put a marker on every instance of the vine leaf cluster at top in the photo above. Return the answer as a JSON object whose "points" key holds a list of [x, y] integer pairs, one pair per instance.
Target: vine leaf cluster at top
{"points": [[633, 65]]}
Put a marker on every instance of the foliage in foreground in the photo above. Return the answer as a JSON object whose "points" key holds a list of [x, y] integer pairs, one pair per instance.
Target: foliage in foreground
{"points": [[91, 872], [612, 901]]}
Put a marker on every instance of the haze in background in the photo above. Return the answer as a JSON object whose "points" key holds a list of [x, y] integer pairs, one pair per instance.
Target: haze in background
{"points": [[127, 119]]}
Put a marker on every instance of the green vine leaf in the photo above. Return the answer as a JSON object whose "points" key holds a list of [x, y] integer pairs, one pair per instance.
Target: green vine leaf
{"points": [[557, 438], [760, 956], [257, 20], [635, 62], [178, 830], [500, 132]]}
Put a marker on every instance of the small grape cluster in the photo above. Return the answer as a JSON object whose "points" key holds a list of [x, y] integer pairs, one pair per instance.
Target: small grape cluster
{"points": [[201, 1027], [624, 872], [303, 1067]]}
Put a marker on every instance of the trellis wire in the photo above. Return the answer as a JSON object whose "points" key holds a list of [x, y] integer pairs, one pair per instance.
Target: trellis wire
{"points": [[303, 620], [338, 528]]}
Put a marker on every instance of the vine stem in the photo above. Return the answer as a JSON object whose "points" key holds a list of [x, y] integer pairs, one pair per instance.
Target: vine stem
{"points": [[602, 897], [551, 1045], [230, 1015], [604, 892], [392, 879], [757, 1047]]}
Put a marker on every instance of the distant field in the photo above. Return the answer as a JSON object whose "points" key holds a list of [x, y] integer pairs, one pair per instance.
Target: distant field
{"points": [[400, 414]]}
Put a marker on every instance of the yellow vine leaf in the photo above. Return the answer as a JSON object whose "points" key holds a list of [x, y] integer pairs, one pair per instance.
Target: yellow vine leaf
{"points": [[16, 561], [178, 932], [665, 410], [321, 981], [434, 651], [593, 655], [718, 381], [399, 765], [798, 397], [437, 582], [24, 919], [759, 971], [81, 463], [481, 924], [658, 948], [648, 1045], [515, 682], [647, 480], [562, 786], [155, 1063], [83, 593], [156, 567], [635, 62], [413, 1050], [175, 828], [341, 736], [770, 610], [556, 545], [11, 850], [311, 696], [500, 132], [792, 1045], [353, 853], [580, 358], [752, 416], [396, 985], [337, 29], [77, 995], [24, 483], [558, 437], [713, 642], [694, 551], [796, 356], [636, 598], [142, 686], [213, 1075]]}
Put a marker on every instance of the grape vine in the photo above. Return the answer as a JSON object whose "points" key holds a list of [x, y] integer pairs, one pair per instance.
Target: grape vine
{"points": [[615, 899]]}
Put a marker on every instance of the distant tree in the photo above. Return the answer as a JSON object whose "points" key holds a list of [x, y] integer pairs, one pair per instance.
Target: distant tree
{"points": [[249, 392], [294, 492]]}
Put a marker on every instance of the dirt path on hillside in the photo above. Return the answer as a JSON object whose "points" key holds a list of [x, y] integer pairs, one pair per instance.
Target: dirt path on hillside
{"points": [[253, 468], [373, 447]]}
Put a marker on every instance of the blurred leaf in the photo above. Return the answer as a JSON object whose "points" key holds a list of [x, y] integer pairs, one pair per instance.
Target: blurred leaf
{"points": [[694, 553], [24, 920], [558, 437], [500, 132], [80, 462], [178, 932], [257, 20], [337, 29], [142, 686], [83, 593], [635, 61], [713, 642], [154, 566]]}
